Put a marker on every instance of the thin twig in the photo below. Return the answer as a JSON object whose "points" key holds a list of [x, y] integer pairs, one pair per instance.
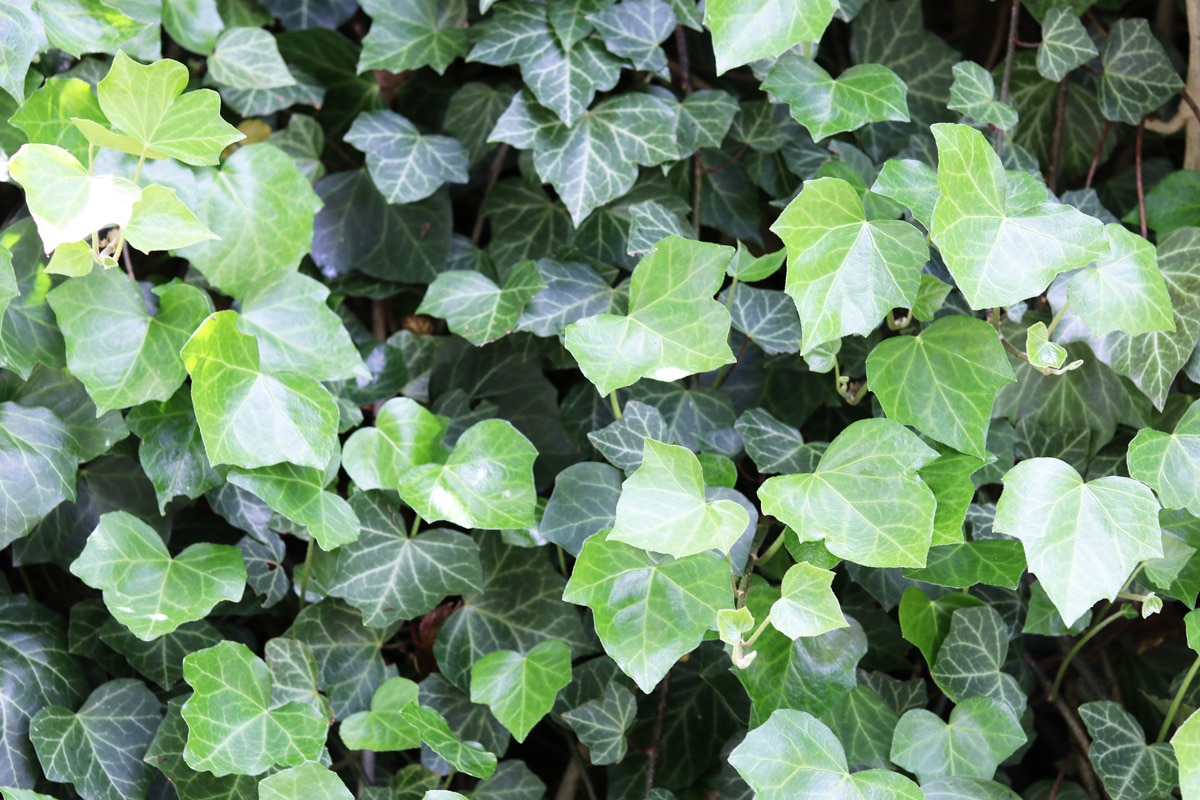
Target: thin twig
{"points": [[656, 737], [710, 170], [1060, 115], [1096, 158], [1009, 57], [493, 176], [685, 83], [1141, 187], [126, 260]]}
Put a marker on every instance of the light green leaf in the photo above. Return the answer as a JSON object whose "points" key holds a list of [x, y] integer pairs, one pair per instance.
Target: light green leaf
{"points": [[974, 94], [1065, 44], [98, 749], [1000, 253], [195, 24], [405, 164], [1138, 75], [297, 332], [39, 447], [1130, 769], [663, 508], [1043, 353], [584, 501], [520, 688], [27, 38], [234, 726], [8, 280], [674, 328], [793, 754], [1082, 540], [862, 94], [73, 259], [67, 203], [634, 28], [1169, 463], [807, 605], [383, 728], [601, 723], [308, 781], [160, 221], [248, 418], [1186, 743], [834, 250], [166, 754], [1125, 290], [121, 352], [146, 589], [405, 435], [390, 576], [476, 308], [970, 660], [88, 26], [649, 609], [29, 334], [299, 494], [981, 733], [913, 184], [748, 30], [152, 117], [46, 116], [413, 34], [912, 376], [595, 159], [469, 757], [486, 482], [248, 58], [864, 500]]}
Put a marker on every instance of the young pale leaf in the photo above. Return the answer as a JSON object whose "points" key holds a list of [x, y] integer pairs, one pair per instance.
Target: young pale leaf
{"points": [[98, 749], [39, 447], [632, 592], [1129, 767], [299, 494], [998, 250], [171, 450], [601, 723], [910, 376], [520, 688], [1065, 44], [663, 508], [748, 30], [161, 221], [46, 116], [405, 435], [807, 605], [1125, 290], [27, 38], [390, 576], [981, 733], [974, 94], [405, 164], [308, 781], [234, 726], [486, 482], [1043, 353], [146, 589], [65, 201], [1138, 75], [674, 328], [862, 94], [911, 183], [793, 754], [431, 727], [1082, 540], [864, 499], [595, 159], [476, 308], [383, 728], [121, 352], [834, 250], [970, 660], [414, 33], [248, 418], [248, 58], [1169, 463]]}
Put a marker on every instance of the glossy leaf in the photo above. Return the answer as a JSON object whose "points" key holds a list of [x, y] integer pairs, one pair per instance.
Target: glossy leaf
{"points": [[862, 94], [308, 781], [476, 308], [601, 723], [970, 659], [431, 727], [405, 164], [383, 728], [634, 30], [166, 754], [807, 605], [1125, 291], [980, 734], [38, 445], [19, 50], [584, 500], [745, 31], [520, 688], [299, 494], [926, 622]]}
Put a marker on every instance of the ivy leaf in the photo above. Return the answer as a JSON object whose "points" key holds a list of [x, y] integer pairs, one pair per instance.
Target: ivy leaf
{"points": [[405, 164], [160, 221], [572, 291], [862, 94], [864, 724], [308, 781], [121, 352], [631, 592], [383, 728], [160, 660], [595, 158], [248, 58], [153, 118], [486, 482], [29, 334], [774, 446], [746, 30], [146, 589], [28, 38], [807, 605], [1082, 540], [834, 250], [98, 749], [39, 447], [1129, 767], [234, 726], [1000, 253], [476, 308], [623, 441], [970, 660], [431, 726], [793, 754], [663, 507], [413, 34], [247, 417], [974, 94], [405, 435], [674, 328], [1125, 290], [634, 29], [768, 317], [299, 494], [649, 223], [926, 622], [981, 733], [864, 499], [520, 688], [1169, 463], [391, 576], [910, 376], [172, 450], [704, 119], [601, 723], [166, 753], [46, 116], [67, 203], [8, 280], [584, 501], [995, 562], [1138, 76], [1065, 44]]}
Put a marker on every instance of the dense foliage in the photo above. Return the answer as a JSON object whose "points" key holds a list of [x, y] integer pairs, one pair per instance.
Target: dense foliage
{"points": [[410, 399]]}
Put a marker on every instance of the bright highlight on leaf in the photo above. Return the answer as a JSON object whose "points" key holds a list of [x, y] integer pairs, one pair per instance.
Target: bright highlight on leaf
{"points": [[383, 728], [747, 30]]}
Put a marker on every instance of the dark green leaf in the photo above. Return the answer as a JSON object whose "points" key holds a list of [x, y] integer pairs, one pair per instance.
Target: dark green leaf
{"points": [[1129, 767], [1138, 76], [414, 33]]}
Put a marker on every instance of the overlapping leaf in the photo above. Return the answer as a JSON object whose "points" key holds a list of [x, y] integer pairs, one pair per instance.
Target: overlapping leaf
{"points": [[807, 605], [1130, 768], [382, 728], [405, 164], [38, 446], [980, 734], [1169, 463], [825, 105], [299, 494], [413, 34], [746, 30], [1138, 76], [308, 781], [601, 723], [1065, 44], [520, 687], [969, 662], [475, 307], [974, 94], [248, 58]]}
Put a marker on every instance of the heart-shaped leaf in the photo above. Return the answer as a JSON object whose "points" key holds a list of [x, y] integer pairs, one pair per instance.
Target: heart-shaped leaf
{"points": [[807, 605], [520, 688], [974, 94], [969, 662], [1065, 44], [1138, 74], [405, 164], [414, 33], [601, 723], [307, 781], [299, 494], [382, 728], [747, 30], [1130, 768], [1125, 290], [431, 727], [981, 733], [248, 58], [405, 435]]}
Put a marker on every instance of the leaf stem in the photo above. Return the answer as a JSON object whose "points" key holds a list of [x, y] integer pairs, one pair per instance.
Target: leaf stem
{"points": [[1009, 57], [1057, 319], [1141, 187], [580, 766], [762, 626], [416, 525], [493, 176], [1178, 700], [616, 406], [656, 737], [1079, 645], [771, 551], [307, 569]]}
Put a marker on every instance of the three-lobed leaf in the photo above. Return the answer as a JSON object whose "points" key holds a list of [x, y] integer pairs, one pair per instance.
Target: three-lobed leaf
{"points": [[980, 733], [862, 94]]}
